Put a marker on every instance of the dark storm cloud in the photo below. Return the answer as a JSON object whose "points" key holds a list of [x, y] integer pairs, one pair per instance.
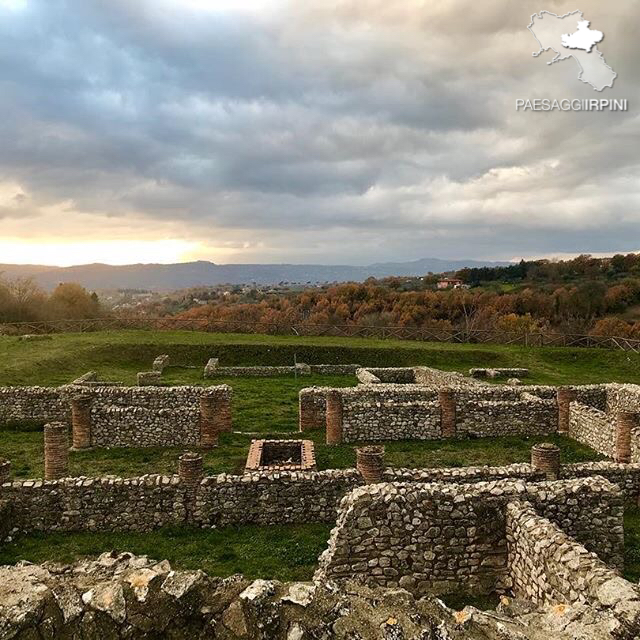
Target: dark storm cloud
{"points": [[388, 127]]}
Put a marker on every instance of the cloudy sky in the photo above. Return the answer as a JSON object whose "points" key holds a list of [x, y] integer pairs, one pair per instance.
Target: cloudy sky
{"points": [[324, 131]]}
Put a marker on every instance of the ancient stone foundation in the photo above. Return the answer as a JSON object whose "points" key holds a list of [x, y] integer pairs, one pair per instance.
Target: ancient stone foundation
{"points": [[161, 363], [56, 450], [149, 378], [435, 538]]}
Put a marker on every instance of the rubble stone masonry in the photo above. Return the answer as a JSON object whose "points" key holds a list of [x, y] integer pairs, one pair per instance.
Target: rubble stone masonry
{"points": [[437, 538]]}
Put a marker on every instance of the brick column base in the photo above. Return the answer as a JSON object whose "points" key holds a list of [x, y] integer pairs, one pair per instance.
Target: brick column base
{"points": [[370, 463], [215, 416], [334, 417], [546, 457], [56, 450], [310, 415], [626, 422], [447, 399], [81, 422], [564, 398]]}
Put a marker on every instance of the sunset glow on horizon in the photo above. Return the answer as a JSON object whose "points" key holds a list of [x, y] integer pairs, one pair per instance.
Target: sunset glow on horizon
{"points": [[117, 252]]}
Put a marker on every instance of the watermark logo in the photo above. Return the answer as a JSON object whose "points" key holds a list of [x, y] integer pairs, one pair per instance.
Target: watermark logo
{"points": [[572, 39]]}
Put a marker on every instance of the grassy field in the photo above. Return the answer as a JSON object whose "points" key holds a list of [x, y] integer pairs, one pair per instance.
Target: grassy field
{"points": [[268, 407], [24, 447], [118, 355], [278, 552]]}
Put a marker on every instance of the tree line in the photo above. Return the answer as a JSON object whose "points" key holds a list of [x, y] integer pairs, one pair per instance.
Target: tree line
{"points": [[22, 300], [585, 295]]}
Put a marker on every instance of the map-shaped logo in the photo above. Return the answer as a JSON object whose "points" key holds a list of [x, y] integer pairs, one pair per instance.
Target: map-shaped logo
{"points": [[571, 36]]}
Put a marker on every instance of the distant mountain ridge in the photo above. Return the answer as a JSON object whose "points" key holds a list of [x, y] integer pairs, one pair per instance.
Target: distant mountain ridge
{"points": [[168, 277]]}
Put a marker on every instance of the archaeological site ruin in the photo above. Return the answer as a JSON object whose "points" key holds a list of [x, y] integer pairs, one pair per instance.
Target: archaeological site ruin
{"points": [[547, 536]]}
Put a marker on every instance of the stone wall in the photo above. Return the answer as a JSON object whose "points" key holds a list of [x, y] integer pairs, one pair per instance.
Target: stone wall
{"points": [[626, 476], [95, 504], [213, 370], [147, 416], [547, 566], [372, 419], [334, 369], [592, 427], [254, 372], [395, 375], [120, 416], [437, 378], [451, 538], [513, 372], [40, 404], [149, 502], [266, 498], [528, 416], [465, 475], [412, 412]]}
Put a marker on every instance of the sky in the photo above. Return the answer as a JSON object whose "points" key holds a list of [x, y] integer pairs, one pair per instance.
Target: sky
{"points": [[353, 131]]}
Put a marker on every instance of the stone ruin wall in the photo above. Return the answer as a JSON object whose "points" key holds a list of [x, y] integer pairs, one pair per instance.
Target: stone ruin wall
{"points": [[147, 502], [387, 411], [147, 416], [119, 416], [215, 371], [549, 567], [592, 427], [37, 404], [435, 538], [393, 375], [152, 501]]}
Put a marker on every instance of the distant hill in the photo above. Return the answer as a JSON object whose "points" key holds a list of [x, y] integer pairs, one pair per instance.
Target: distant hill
{"points": [[167, 277]]}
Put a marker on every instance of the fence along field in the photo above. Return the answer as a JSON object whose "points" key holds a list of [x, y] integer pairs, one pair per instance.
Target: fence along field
{"points": [[471, 336]]}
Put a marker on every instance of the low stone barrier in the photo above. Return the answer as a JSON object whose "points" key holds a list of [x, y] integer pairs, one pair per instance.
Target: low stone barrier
{"points": [[365, 376], [513, 372], [547, 566], [38, 404], [152, 501], [447, 538]]}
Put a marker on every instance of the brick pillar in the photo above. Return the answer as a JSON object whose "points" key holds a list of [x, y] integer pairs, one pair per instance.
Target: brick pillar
{"points": [[56, 450], [447, 399], [546, 457], [370, 463], [5, 470], [81, 422], [334, 416], [191, 474], [215, 416], [309, 412], [626, 422], [564, 398]]}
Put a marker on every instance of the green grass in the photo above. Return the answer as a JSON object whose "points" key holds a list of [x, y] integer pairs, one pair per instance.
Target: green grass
{"points": [[632, 542], [118, 355], [285, 552], [25, 450]]}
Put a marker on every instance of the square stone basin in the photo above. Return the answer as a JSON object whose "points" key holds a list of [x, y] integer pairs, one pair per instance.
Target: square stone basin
{"points": [[281, 455]]}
